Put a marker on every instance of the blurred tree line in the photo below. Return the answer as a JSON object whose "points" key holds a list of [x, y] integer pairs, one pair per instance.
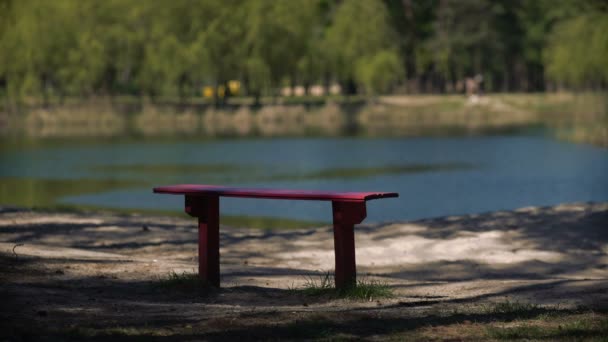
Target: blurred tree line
{"points": [[173, 48]]}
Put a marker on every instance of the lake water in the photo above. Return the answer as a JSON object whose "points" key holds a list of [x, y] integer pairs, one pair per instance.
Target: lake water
{"points": [[433, 176]]}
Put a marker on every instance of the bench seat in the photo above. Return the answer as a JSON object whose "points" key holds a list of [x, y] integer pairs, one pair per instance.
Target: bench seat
{"points": [[223, 191], [202, 201]]}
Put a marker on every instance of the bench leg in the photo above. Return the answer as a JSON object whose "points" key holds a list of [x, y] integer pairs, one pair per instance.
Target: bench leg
{"points": [[345, 216], [207, 209]]}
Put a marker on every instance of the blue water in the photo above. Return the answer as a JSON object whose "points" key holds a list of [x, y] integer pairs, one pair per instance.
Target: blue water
{"points": [[506, 172]]}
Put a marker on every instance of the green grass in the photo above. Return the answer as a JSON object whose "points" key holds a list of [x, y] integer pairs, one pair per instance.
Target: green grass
{"points": [[323, 286], [477, 323], [184, 282], [364, 289], [520, 332], [511, 308], [584, 328]]}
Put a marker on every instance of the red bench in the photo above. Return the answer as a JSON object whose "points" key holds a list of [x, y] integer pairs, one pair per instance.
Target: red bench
{"points": [[202, 201]]}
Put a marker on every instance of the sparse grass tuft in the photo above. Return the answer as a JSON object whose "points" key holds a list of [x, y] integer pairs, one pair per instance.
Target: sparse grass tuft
{"points": [[313, 287], [188, 282], [367, 289], [516, 332], [79, 333], [364, 289], [514, 308]]}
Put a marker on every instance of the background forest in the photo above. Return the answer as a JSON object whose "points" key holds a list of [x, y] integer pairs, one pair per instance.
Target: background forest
{"points": [[54, 49]]}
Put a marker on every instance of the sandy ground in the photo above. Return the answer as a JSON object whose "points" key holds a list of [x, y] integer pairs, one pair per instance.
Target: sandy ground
{"points": [[97, 274]]}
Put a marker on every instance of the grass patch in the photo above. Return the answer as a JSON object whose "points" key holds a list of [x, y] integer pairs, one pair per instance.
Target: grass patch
{"points": [[138, 333], [519, 332], [316, 327], [364, 289], [96, 332], [497, 323], [184, 282], [512, 308], [586, 327]]}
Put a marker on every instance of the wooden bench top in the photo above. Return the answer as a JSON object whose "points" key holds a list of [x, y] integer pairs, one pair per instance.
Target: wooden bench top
{"points": [[202, 190], [203, 202]]}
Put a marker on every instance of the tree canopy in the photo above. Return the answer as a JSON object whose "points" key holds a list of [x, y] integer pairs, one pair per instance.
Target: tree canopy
{"points": [[174, 48]]}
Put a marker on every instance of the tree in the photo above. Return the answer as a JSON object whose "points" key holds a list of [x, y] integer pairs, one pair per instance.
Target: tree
{"points": [[577, 51], [359, 31], [379, 72], [278, 35], [413, 21], [220, 47], [53, 49]]}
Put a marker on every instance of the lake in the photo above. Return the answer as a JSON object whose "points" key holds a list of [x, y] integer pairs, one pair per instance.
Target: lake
{"points": [[434, 176]]}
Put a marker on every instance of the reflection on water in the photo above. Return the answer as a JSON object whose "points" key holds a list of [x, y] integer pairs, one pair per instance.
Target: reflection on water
{"points": [[434, 176], [164, 169], [40, 192], [234, 173]]}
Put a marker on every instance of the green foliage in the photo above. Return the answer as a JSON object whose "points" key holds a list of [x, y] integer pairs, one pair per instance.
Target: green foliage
{"points": [[258, 75], [360, 30], [467, 39], [578, 49], [379, 72], [277, 34], [53, 49]]}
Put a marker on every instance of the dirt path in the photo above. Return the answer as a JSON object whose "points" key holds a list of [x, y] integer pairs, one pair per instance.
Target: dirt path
{"points": [[76, 275]]}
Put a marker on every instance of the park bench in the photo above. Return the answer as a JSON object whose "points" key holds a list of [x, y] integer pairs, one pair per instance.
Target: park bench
{"points": [[202, 201]]}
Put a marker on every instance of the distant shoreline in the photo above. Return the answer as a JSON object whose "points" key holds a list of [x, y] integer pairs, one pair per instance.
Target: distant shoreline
{"points": [[580, 118]]}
